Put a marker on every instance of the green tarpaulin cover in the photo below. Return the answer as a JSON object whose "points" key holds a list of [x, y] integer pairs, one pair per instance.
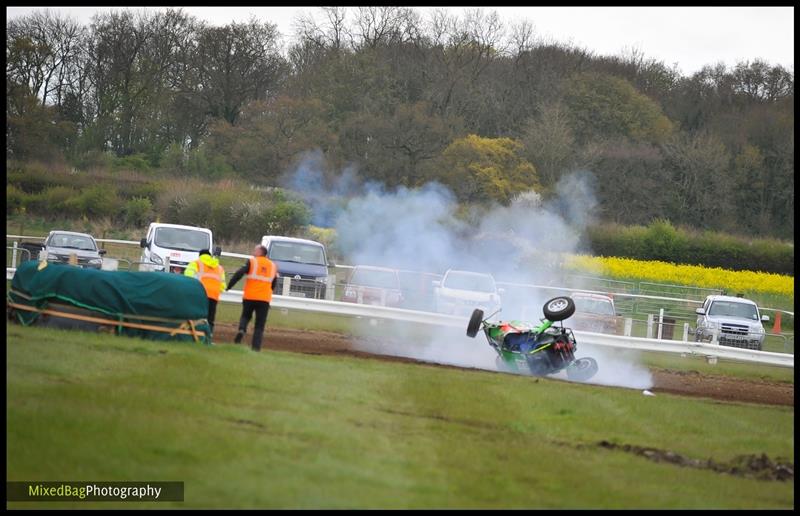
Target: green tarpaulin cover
{"points": [[119, 295]]}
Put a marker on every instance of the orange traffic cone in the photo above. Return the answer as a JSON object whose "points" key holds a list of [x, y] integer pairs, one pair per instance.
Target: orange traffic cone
{"points": [[777, 327]]}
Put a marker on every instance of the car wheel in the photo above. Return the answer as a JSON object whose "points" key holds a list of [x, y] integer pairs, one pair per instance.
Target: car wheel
{"points": [[559, 308], [474, 323]]}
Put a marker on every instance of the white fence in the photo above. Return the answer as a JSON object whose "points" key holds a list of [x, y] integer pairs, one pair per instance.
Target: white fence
{"points": [[596, 339]]}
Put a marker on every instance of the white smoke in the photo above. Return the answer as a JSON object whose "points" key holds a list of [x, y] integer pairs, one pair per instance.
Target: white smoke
{"points": [[423, 230]]}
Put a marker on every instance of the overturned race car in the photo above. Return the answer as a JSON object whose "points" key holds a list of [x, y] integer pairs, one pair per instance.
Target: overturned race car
{"points": [[539, 350]]}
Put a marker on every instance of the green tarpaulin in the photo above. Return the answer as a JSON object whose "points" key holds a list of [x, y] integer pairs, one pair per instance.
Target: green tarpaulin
{"points": [[151, 298]]}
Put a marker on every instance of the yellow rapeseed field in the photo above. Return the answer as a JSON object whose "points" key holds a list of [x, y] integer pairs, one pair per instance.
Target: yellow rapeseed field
{"points": [[663, 272]]}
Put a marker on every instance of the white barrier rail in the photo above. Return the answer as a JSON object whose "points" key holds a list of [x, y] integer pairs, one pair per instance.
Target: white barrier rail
{"points": [[354, 310], [589, 338]]}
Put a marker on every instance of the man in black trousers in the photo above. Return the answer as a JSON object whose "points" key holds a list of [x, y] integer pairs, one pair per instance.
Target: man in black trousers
{"points": [[261, 274]]}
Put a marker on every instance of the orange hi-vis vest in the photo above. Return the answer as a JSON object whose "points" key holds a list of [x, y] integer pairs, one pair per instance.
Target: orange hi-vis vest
{"points": [[211, 278], [258, 283]]}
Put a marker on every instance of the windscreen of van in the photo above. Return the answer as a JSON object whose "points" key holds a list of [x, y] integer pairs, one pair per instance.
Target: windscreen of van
{"points": [[297, 252], [182, 239]]}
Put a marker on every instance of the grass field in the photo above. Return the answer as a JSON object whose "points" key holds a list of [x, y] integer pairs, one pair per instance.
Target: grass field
{"points": [[284, 430]]}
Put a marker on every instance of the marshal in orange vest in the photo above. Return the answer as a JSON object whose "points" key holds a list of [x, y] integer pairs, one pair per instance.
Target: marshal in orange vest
{"points": [[258, 283]]}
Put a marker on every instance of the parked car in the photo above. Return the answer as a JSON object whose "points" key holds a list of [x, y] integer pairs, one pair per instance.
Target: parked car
{"points": [[418, 289], [736, 320], [59, 245], [304, 261], [179, 245], [596, 313], [461, 292], [373, 286]]}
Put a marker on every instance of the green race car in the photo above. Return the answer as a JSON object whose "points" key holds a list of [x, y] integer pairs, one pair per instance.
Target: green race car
{"points": [[539, 350]]}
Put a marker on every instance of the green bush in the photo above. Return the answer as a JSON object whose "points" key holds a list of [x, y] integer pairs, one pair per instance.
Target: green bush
{"points": [[138, 162], [138, 211], [53, 202], [15, 199], [97, 201], [661, 241], [94, 159], [32, 178]]}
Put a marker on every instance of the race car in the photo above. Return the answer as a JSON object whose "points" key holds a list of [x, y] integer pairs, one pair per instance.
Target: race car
{"points": [[540, 349]]}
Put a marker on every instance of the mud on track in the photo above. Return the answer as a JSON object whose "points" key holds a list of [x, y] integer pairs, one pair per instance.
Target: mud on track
{"points": [[685, 383]]}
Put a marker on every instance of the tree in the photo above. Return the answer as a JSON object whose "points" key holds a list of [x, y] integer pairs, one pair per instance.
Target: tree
{"points": [[549, 143], [398, 149], [604, 106], [486, 169], [235, 64], [700, 194]]}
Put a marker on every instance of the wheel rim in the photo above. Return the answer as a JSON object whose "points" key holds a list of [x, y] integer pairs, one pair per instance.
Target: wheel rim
{"points": [[557, 305], [580, 365]]}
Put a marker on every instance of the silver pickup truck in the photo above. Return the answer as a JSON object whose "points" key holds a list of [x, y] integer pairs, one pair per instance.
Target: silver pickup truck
{"points": [[735, 320]]}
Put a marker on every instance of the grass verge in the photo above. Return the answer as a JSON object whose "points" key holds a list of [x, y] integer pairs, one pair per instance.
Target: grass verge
{"points": [[283, 430]]}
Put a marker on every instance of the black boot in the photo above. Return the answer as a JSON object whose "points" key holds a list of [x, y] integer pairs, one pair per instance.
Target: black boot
{"points": [[239, 336]]}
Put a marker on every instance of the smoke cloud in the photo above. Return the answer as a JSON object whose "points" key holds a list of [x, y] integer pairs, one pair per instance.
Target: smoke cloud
{"points": [[423, 230]]}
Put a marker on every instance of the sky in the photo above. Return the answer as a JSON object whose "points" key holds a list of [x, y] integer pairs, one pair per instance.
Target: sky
{"points": [[687, 37]]}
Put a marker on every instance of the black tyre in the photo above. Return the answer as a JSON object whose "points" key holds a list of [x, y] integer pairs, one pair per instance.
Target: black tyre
{"points": [[582, 369], [474, 323], [559, 308]]}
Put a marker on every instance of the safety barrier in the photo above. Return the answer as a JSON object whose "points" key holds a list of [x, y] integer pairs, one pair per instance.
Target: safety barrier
{"points": [[588, 338]]}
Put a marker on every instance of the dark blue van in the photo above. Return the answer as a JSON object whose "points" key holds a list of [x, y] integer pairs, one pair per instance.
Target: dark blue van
{"points": [[304, 261]]}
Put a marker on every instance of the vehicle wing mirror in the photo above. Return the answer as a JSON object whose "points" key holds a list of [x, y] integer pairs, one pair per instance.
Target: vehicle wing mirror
{"points": [[102, 251], [765, 318], [700, 311], [143, 242], [217, 251]]}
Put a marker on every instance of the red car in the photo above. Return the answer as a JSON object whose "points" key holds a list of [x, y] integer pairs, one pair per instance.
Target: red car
{"points": [[373, 286], [596, 313]]}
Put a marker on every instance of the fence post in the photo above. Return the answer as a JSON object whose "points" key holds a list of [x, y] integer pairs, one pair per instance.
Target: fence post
{"points": [[685, 331], [628, 326], [660, 322], [649, 326], [715, 341], [14, 255], [330, 289], [287, 285]]}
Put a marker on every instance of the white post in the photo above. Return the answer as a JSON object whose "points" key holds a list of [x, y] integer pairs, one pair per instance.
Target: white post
{"points": [[649, 326], [383, 297], [287, 285], [660, 322], [360, 296], [330, 288], [685, 332], [628, 326], [14, 256]]}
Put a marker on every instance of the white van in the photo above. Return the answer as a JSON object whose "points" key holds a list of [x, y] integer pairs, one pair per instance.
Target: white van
{"points": [[175, 246]]}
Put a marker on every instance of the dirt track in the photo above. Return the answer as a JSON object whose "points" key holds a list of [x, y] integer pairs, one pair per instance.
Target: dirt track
{"points": [[687, 383]]}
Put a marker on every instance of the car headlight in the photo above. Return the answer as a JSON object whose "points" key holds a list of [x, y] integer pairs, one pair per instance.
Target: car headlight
{"points": [[711, 325], [96, 261], [758, 330], [156, 259], [53, 257]]}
